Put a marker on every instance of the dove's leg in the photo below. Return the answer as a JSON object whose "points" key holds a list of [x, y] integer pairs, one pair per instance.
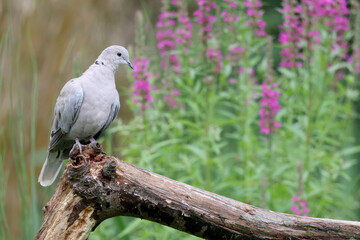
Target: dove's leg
{"points": [[92, 140], [77, 142], [76, 146]]}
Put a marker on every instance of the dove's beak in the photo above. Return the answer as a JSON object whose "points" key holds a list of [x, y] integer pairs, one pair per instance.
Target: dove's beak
{"points": [[130, 65]]}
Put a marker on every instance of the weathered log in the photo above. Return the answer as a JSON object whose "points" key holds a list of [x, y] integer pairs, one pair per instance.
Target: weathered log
{"points": [[95, 187]]}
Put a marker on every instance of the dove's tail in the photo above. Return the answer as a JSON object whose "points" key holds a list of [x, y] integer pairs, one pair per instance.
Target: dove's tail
{"points": [[51, 168]]}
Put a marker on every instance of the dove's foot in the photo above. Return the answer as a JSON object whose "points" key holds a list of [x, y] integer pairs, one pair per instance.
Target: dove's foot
{"points": [[77, 148], [96, 146]]}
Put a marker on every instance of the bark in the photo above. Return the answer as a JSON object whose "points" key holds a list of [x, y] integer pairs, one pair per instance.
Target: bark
{"points": [[95, 187]]}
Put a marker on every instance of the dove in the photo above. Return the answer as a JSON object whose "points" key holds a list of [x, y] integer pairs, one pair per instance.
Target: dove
{"points": [[84, 109]]}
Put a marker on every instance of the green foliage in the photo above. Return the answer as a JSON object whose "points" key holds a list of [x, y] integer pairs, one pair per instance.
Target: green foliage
{"points": [[211, 139], [214, 141]]}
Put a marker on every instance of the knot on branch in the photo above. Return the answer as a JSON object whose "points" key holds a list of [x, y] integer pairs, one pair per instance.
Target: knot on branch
{"points": [[109, 169], [78, 168], [86, 173], [90, 188], [97, 147], [83, 184]]}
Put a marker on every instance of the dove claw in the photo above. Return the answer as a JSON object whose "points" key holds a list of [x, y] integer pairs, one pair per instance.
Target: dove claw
{"points": [[76, 149]]}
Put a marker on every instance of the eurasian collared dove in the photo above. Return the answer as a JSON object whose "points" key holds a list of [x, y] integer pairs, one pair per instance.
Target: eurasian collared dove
{"points": [[84, 109]]}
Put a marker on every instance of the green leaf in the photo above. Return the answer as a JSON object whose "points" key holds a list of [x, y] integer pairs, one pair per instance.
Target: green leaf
{"points": [[287, 73], [130, 228], [197, 151], [163, 144]]}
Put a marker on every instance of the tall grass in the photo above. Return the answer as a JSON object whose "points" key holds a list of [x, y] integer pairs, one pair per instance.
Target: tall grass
{"points": [[17, 131], [34, 100], [17, 136], [4, 227]]}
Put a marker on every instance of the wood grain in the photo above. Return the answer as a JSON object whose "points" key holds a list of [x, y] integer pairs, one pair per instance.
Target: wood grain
{"points": [[95, 187]]}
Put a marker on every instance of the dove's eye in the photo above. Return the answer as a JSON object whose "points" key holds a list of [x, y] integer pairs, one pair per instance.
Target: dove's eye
{"points": [[119, 54]]}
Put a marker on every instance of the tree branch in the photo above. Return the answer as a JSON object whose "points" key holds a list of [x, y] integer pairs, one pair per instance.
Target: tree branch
{"points": [[95, 187]]}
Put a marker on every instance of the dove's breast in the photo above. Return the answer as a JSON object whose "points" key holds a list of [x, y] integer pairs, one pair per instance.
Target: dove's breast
{"points": [[99, 95]]}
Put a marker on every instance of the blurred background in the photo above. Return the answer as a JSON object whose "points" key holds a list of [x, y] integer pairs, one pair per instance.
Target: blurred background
{"points": [[46, 43], [43, 44]]}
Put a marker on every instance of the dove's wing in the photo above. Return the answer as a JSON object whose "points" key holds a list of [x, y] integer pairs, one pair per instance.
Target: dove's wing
{"points": [[67, 110], [112, 115]]}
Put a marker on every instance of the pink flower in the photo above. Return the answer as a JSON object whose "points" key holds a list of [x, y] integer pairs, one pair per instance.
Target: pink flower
{"points": [[299, 25], [253, 11], [300, 206], [172, 103], [250, 12], [149, 98], [226, 16], [176, 92], [142, 87], [166, 97], [232, 81], [233, 5], [295, 209], [170, 99], [204, 18], [290, 35], [241, 70], [208, 79], [215, 56], [174, 33], [304, 206], [237, 49], [269, 109], [183, 19], [234, 57], [207, 28], [174, 30], [166, 44]]}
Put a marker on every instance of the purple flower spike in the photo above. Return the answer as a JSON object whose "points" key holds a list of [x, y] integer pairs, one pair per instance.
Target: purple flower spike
{"points": [[174, 29], [142, 87], [301, 23], [215, 56], [269, 109], [205, 18], [300, 206], [254, 12]]}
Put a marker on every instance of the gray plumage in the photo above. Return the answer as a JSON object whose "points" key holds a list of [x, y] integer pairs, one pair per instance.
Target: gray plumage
{"points": [[85, 108]]}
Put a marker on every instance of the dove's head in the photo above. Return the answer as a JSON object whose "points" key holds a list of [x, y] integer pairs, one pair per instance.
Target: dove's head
{"points": [[114, 56]]}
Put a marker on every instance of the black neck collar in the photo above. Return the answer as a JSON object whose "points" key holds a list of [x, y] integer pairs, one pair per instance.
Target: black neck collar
{"points": [[97, 62]]}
